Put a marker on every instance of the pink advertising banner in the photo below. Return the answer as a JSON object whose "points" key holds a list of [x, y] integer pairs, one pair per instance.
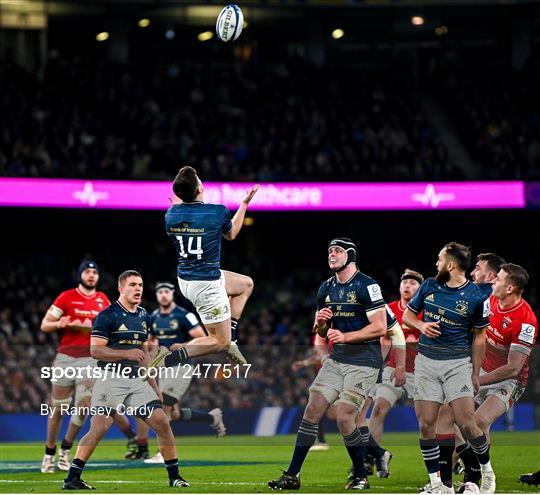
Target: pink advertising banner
{"points": [[282, 196]]}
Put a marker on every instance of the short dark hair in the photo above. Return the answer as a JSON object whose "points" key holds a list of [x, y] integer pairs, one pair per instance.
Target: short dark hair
{"points": [[517, 275], [493, 261], [408, 273], [126, 274], [185, 184], [460, 254]]}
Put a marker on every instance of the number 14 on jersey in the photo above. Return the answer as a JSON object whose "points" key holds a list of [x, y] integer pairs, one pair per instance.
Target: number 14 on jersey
{"points": [[197, 250]]}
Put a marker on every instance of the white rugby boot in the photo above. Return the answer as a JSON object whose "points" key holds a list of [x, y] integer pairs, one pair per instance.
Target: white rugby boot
{"points": [[234, 354], [47, 464], [64, 462], [218, 425], [488, 485], [155, 459]]}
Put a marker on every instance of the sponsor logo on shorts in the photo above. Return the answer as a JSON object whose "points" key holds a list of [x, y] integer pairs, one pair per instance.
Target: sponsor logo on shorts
{"points": [[465, 388]]}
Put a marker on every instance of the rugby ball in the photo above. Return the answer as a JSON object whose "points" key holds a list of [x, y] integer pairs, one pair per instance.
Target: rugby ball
{"points": [[229, 23]]}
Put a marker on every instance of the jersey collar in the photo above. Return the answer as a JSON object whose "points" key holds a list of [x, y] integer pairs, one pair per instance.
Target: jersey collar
{"points": [[467, 282], [347, 281], [125, 309], [510, 309]]}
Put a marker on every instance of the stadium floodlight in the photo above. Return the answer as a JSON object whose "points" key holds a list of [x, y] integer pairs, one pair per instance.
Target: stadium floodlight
{"points": [[205, 36], [338, 33], [143, 23], [417, 20]]}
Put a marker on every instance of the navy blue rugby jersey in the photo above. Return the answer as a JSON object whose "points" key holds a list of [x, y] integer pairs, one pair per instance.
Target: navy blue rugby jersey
{"points": [[195, 230], [174, 327], [122, 329], [350, 302], [486, 288], [457, 310]]}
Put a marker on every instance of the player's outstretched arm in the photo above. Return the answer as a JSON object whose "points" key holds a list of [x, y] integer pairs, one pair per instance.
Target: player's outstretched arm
{"points": [[238, 219]]}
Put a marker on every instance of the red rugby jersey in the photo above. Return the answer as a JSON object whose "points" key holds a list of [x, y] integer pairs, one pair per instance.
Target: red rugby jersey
{"points": [[81, 310], [511, 328], [411, 338]]}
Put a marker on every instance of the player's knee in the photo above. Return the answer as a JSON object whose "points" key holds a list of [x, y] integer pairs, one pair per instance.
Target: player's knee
{"points": [[427, 428], [313, 412], [482, 422], [468, 426], [380, 410], [346, 423], [161, 424], [249, 285]]}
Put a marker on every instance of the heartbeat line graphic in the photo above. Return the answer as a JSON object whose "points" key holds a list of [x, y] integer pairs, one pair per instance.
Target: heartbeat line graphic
{"points": [[430, 197], [89, 196]]}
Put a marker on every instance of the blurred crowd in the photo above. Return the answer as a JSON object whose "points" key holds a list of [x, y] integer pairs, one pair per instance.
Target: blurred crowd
{"points": [[497, 114], [233, 122]]}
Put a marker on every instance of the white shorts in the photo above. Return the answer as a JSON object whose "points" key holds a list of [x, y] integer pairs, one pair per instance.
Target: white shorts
{"points": [[176, 384], [386, 390], [442, 380], [209, 298], [347, 383], [64, 362], [507, 391], [118, 392]]}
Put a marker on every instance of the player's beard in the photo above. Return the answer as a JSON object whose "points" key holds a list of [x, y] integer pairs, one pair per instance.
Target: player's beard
{"points": [[443, 276], [88, 286]]}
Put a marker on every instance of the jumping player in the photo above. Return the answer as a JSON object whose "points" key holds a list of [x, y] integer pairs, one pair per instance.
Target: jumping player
{"points": [[455, 318], [351, 313], [173, 326], [119, 342], [195, 229]]}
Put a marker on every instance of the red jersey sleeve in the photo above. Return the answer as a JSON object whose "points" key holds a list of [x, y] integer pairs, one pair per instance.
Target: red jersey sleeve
{"points": [[105, 299], [59, 306]]}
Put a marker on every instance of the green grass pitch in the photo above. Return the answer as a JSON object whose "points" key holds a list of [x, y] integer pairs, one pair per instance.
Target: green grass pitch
{"points": [[241, 464]]}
